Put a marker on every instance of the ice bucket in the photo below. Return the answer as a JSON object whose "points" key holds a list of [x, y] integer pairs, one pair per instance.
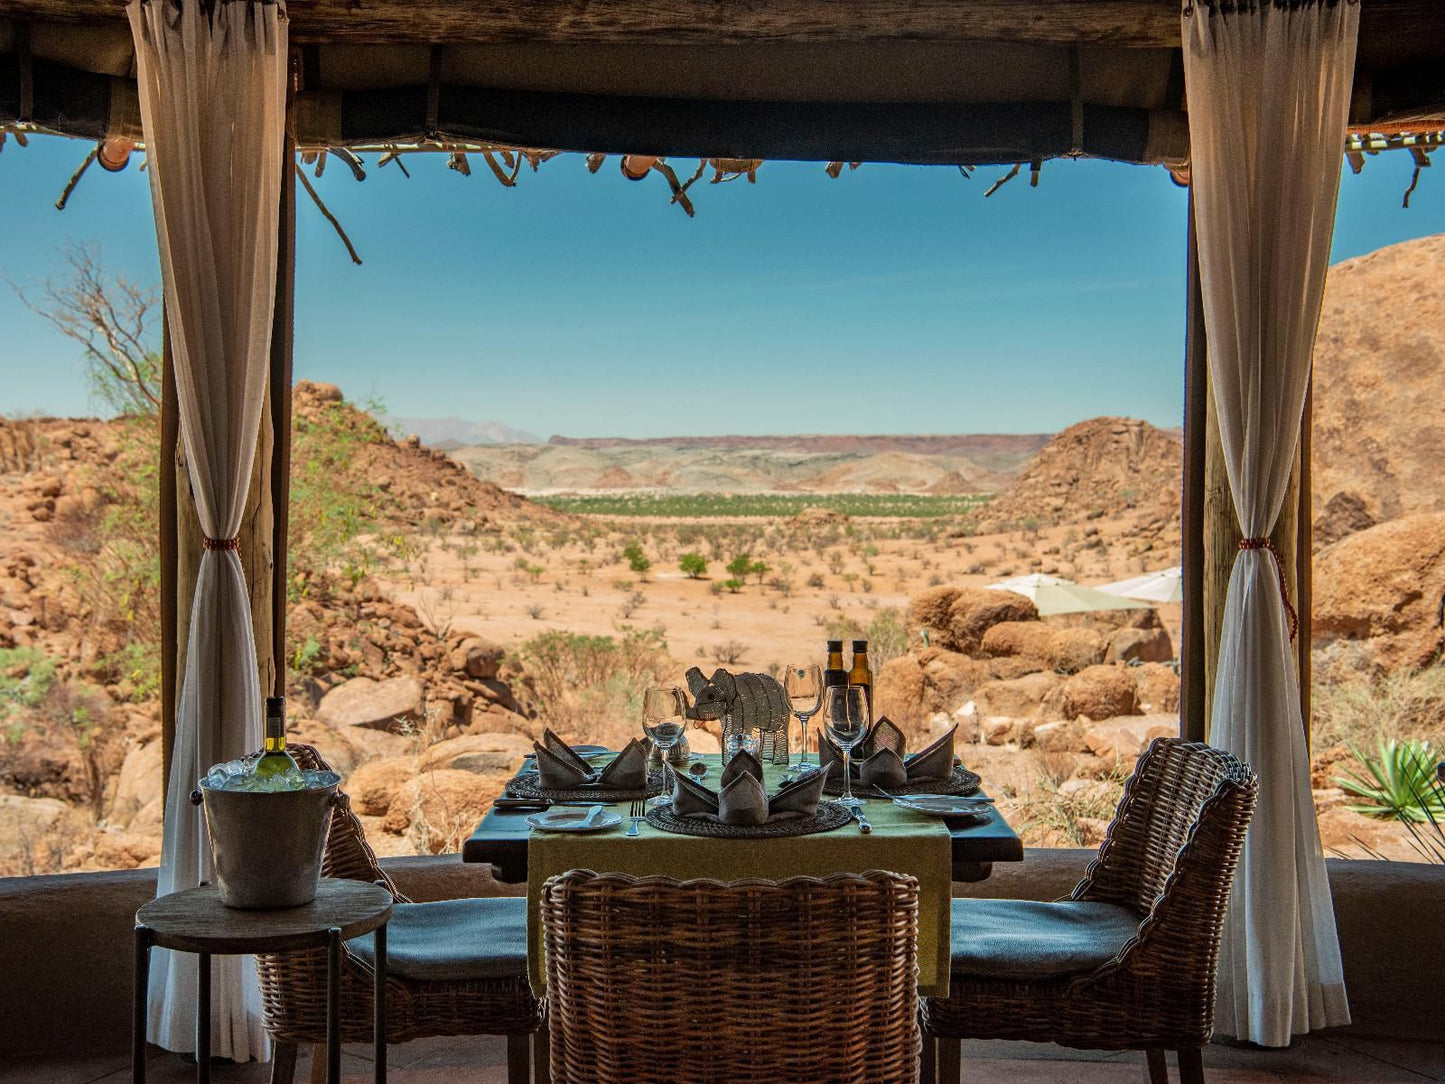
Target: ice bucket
{"points": [[267, 845]]}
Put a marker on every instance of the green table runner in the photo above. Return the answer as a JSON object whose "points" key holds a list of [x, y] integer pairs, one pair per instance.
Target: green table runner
{"points": [[902, 842]]}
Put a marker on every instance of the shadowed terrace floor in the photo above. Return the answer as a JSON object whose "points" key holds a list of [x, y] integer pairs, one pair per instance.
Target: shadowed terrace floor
{"points": [[1333, 1057]]}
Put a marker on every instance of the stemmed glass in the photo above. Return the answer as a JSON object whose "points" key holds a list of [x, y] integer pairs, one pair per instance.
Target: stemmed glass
{"points": [[845, 718], [804, 688], [664, 717]]}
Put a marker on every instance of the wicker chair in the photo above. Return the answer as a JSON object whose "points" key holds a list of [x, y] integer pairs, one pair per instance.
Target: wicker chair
{"points": [[293, 985], [656, 981], [1127, 961]]}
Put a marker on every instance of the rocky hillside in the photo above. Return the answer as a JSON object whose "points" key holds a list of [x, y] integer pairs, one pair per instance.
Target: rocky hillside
{"points": [[1379, 386], [1100, 468], [80, 764], [981, 463], [414, 481]]}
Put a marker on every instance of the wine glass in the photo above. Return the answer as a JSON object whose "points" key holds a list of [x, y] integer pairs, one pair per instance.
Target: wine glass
{"points": [[804, 688], [664, 716], [845, 718]]}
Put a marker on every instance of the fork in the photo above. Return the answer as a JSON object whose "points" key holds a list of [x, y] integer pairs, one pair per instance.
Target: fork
{"points": [[636, 813]]}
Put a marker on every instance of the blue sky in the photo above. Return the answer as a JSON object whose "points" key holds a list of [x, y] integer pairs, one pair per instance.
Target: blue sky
{"points": [[891, 300]]}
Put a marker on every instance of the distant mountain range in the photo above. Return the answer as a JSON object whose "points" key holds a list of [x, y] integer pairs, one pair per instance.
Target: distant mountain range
{"points": [[446, 434], [973, 463]]}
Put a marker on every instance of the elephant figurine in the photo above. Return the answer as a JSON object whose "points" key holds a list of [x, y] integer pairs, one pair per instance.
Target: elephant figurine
{"points": [[744, 703]]}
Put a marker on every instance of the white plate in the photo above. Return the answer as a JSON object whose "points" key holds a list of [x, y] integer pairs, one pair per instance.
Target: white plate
{"points": [[574, 819], [943, 805]]}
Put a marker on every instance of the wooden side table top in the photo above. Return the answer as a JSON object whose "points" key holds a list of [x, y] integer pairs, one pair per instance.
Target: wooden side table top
{"points": [[197, 921]]}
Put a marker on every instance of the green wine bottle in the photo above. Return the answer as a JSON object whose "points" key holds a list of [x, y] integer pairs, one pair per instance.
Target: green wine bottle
{"points": [[275, 761]]}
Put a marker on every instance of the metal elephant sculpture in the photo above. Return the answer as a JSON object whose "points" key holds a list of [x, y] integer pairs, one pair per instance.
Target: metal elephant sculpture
{"points": [[743, 702]]}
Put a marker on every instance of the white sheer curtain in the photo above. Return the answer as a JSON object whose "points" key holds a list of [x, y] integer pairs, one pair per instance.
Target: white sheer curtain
{"points": [[1268, 85], [212, 93]]}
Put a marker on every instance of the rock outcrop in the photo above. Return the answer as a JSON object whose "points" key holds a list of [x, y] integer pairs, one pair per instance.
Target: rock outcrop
{"points": [[1385, 588]]}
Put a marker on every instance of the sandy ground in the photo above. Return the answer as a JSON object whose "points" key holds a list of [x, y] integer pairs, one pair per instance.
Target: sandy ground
{"points": [[596, 593]]}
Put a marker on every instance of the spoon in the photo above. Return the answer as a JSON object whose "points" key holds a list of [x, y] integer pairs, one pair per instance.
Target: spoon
{"points": [[697, 769]]}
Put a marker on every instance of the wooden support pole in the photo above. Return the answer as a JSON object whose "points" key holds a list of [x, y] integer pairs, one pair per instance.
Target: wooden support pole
{"points": [[282, 331], [1304, 557], [1192, 696], [1221, 546], [168, 549]]}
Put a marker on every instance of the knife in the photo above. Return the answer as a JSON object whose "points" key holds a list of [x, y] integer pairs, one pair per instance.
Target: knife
{"points": [[863, 825], [519, 804]]}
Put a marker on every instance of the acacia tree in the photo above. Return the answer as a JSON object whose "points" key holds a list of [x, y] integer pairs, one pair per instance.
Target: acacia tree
{"points": [[113, 320]]}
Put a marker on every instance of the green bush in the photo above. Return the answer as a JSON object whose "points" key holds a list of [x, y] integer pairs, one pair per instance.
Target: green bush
{"points": [[26, 678], [333, 507], [694, 564], [636, 559]]}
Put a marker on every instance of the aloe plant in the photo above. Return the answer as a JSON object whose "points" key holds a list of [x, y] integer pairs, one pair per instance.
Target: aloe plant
{"points": [[1402, 783]]}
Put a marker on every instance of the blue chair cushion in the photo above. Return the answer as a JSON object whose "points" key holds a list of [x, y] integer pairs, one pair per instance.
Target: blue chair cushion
{"points": [[1023, 939], [453, 940]]}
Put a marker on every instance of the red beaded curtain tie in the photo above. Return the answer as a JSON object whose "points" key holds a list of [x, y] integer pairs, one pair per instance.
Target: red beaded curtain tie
{"points": [[1268, 544], [222, 543]]}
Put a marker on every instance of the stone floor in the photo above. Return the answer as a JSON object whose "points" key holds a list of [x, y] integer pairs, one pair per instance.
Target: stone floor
{"points": [[1327, 1057]]}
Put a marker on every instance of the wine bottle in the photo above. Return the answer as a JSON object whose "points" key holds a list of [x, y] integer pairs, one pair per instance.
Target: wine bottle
{"points": [[275, 761], [862, 674], [835, 674]]}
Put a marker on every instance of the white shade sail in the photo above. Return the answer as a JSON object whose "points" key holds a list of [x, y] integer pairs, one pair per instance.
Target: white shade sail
{"points": [[1053, 595], [1164, 586]]}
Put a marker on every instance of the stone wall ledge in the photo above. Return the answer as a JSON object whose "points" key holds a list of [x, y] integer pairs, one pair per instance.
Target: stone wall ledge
{"points": [[66, 940]]}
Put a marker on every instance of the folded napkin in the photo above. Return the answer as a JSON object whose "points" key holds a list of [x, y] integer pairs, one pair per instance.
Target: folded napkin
{"points": [[741, 798], [879, 760], [560, 768]]}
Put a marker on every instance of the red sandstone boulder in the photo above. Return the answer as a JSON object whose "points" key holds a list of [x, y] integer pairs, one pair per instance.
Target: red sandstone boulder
{"points": [[1100, 692], [1139, 645], [1384, 586]]}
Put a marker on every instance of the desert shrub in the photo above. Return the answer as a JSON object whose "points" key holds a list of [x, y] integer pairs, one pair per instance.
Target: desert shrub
{"points": [[1050, 814], [333, 507], [636, 559], [886, 634], [108, 546], [589, 688], [729, 652], [1356, 707], [47, 724], [694, 564]]}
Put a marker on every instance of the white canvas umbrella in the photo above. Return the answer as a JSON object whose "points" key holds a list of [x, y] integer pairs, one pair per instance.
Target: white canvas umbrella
{"points": [[1053, 595], [1165, 586]]}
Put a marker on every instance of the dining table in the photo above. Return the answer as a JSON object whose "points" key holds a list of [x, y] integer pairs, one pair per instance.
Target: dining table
{"points": [[934, 850]]}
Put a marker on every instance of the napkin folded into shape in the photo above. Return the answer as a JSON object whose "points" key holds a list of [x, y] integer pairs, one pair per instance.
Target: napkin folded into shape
{"points": [[560, 768], [741, 798], [879, 759]]}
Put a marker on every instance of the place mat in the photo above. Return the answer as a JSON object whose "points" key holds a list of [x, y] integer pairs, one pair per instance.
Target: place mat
{"points": [[962, 781], [828, 816], [527, 786]]}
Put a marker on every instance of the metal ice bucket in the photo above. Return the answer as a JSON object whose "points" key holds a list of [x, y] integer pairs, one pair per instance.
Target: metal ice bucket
{"points": [[267, 846]]}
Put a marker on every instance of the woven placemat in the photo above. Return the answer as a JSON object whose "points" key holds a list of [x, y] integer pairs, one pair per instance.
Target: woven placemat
{"points": [[829, 815], [962, 781], [527, 786]]}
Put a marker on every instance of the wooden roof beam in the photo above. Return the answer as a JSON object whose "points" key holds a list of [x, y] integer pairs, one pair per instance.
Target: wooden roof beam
{"points": [[1392, 32]]}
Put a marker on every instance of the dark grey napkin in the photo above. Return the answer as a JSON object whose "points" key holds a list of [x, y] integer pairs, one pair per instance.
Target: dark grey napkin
{"points": [[558, 765], [879, 759], [741, 799], [628, 770]]}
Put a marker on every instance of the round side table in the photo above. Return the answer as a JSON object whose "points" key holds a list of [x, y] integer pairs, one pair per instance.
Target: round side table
{"points": [[197, 921]]}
